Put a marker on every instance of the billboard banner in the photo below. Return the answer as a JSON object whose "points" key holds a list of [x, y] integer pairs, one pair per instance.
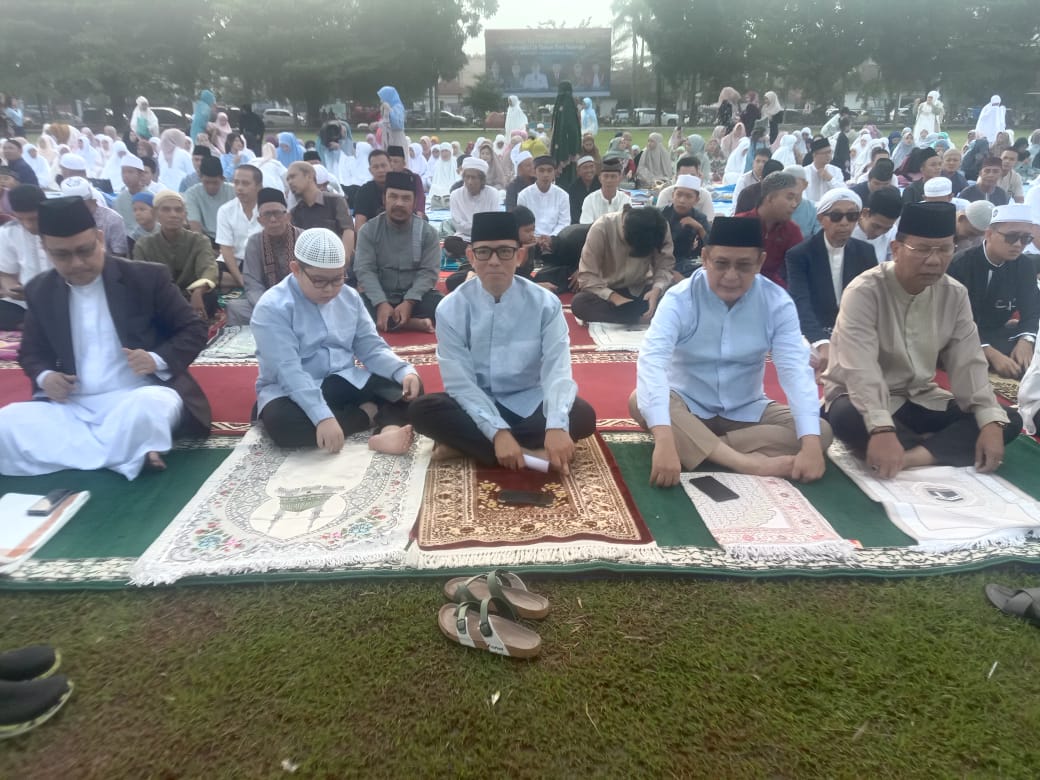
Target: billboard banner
{"points": [[530, 63]]}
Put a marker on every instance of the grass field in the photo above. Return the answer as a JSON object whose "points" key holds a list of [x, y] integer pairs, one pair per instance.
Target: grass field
{"points": [[639, 677]]}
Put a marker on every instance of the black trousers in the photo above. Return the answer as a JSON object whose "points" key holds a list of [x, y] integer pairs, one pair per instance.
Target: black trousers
{"points": [[589, 307], [289, 426], [11, 316], [423, 309], [560, 275], [953, 433], [440, 417]]}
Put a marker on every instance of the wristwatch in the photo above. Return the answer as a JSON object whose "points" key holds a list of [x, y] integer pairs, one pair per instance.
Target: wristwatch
{"points": [[883, 429]]}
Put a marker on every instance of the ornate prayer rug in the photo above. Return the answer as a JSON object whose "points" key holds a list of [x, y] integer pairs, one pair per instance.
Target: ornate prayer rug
{"points": [[233, 344], [466, 519], [767, 519], [946, 508], [269, 509], [610, 337], [1008, 388]]}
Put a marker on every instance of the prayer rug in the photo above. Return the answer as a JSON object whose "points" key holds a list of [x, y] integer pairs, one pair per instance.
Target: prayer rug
{"points": [[233, 344], [946, 508], [610, 337], [1008, 388], [268, 509], [768, 520], [10, 343], [577, 332], [589, 515]]}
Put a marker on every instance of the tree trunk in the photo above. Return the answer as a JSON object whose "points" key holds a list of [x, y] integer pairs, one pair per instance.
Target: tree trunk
{"points": [[635, 64], [658, 97]]}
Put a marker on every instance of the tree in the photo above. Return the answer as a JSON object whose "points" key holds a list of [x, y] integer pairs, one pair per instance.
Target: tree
{"points": [[483, 97]]}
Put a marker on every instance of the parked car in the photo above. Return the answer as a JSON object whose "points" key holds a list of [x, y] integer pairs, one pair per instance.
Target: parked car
{"points": [[416, 118], [648, 117], [171, 117], [281, 119], [96, 118], [621, 117], [448, 119]]}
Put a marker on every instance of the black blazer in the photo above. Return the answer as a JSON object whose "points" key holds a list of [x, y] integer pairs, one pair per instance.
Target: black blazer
{"points": [[148, 312], [1015, 291], [810, 285]]}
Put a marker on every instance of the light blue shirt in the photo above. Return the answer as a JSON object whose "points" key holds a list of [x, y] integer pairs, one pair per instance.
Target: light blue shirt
{"points": [[515, 352], [805, 218], [714, 355], [299, 344]]}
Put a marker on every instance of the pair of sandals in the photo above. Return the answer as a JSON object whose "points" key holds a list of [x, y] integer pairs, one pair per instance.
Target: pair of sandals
{"points": [[485, 610], [1017, 602]]}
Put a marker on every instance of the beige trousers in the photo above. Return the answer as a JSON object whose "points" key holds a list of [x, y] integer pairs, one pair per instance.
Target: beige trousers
{"points": [[696, 439]]}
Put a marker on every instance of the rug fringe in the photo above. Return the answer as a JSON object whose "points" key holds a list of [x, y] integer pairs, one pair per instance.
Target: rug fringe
{"points": [[838, 551], [477, 557], [1009, 538]]}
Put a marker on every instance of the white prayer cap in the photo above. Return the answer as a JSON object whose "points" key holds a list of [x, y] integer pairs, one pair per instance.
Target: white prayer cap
{"points": [[688, 181], [321, 174], [524, 155], [541, 126], [830, 197], [995, 100], [72, 162], [797, 171], [131, 161], [588, 158], [321, 248], [77, 185], [979, 214], [475, 164], [938, 187], [1013, 212]]}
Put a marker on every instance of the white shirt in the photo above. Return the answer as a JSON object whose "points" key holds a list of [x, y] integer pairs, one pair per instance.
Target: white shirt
{"points": [[464, 206], [746, 180], [837, 261], [234, 228], [818, 186], [882, 244], [595, 205], [552, 209], [21, 255]]}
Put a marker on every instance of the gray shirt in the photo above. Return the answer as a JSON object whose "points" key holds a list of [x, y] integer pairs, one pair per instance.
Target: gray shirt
{"points": [[203, 207], [397, 263], [124, 206], [111, 224]]}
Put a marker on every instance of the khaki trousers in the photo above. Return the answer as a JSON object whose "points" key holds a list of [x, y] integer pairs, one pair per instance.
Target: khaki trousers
{"points": [[696, 439]]}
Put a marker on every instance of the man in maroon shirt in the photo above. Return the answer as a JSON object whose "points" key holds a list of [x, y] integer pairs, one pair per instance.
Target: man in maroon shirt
{"points": [[777, 203]]}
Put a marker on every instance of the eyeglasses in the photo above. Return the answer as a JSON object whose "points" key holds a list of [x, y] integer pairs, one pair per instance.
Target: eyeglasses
{"points": [[1016, 238], [838, 216], [272, 213], [725, 266], [323, 284], [503, 252], [924, 252], [84, 252]]}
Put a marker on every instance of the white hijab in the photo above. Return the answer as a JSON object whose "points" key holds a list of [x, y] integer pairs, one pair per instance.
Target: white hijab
{"points": [[39, 166], [113, 170], [737, 162], [516, 119], [785, 153], [416, 161], [992, 120], [442, 173]]}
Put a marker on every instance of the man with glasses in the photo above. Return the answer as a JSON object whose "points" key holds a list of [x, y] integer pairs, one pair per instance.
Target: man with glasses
{"points": [[267, 254], [398, 261], [1000, 282], [310, 328], [107, 345], [504, 356], [699, 388], [819, 270], [895, 322]]}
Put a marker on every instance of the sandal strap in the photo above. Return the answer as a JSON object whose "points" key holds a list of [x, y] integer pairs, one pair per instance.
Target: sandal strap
{"points": [[1023, 604], [487, 628], [505, 579]]}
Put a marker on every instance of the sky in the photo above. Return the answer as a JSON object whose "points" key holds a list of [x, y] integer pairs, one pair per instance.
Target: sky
{"points": [[517, 15]]}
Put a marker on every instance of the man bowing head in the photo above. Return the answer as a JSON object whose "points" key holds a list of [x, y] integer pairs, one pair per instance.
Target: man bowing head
{"points": [[107, 344]]}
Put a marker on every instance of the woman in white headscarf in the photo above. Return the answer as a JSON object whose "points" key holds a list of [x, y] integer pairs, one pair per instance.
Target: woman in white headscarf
{"points": [[929, 115], [516, 119], [784, 153], [655, 165], [113, 170], [903, 148], [48, 148], [416, 161], [219, 132], [90, 155], [858, 149], [143, 120], [992, 120], [863, 163], [271, 167], [737, 162], [442, 174], [174, 162], [360, 173], [496, 177], [774, 112], [39, 165]]}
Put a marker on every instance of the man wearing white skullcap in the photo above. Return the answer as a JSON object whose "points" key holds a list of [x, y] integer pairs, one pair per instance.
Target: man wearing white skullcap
{"points": [[1001, 281], [473, 197], [524, 178], [309, 329], [972, 224], [108, 221], [72, 165], [820, 268], [130, 169], [689, 226]]}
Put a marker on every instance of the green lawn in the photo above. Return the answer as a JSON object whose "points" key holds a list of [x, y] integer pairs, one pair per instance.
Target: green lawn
{"points": [[639, 677]]}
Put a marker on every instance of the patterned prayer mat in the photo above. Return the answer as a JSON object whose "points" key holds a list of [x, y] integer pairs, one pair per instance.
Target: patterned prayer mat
{"points": [[589, 515], [611, 338], [10, 343], [270, 509], [1008, 388], [233, 344], [946, 508], [768, 519]]}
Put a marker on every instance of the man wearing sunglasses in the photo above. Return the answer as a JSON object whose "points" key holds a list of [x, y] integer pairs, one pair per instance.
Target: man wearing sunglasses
{"points": [[894, 323], [504, 356], [819, 270], [1000, 282], [309, 328]]}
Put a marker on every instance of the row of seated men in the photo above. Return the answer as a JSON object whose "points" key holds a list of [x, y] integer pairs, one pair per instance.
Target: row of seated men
{"points": [[108, 342]]}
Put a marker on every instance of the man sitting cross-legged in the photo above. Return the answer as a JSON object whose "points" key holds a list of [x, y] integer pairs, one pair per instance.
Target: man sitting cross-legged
{"points": [[895, 323], [504, 356], [309, 328], [398, 261], [699, 377], [107, 345]]}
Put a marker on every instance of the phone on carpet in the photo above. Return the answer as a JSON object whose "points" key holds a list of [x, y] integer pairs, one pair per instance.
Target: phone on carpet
{"points": [[713, 489], [49, 502], [524, 498]]}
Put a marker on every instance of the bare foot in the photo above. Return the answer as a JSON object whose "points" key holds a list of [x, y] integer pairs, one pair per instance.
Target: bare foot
{"points": [[422, 324], [153, 462], [371, 410], [444, 452], [779, 466], [392, 440]]}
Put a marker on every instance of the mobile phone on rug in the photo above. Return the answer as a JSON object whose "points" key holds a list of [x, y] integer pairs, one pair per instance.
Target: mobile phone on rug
{"points": [[49, 502], [713, 489], [525, 498]]}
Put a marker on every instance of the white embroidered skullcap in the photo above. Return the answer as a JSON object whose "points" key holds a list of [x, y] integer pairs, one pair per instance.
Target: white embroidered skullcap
{"points": [[321, 174], [131, 161], [688, 181], [588, 158], [72, 162], [77, 185], [1013, 212], [938, 187], [979, 214], [321, 248], [475, 164], [524, 155]]}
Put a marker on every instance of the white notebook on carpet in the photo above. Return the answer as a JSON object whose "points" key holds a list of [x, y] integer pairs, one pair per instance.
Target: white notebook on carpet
{"points": [[22, 534]]}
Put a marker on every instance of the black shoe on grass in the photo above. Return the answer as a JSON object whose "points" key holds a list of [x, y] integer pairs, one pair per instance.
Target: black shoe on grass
{"points": [[29, 663], [25, 705]]}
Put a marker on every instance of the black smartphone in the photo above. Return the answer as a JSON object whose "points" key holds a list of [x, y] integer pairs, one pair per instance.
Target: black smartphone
{"points": [[713, 489], [525, 498], [47, 504]]}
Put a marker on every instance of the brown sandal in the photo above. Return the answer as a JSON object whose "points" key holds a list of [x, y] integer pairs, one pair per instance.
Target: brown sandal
{"points": [[471, 625], [498, 584]]}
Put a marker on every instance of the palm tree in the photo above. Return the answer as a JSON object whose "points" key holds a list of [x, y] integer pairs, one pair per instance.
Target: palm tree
{"points": [[630, 18]]}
